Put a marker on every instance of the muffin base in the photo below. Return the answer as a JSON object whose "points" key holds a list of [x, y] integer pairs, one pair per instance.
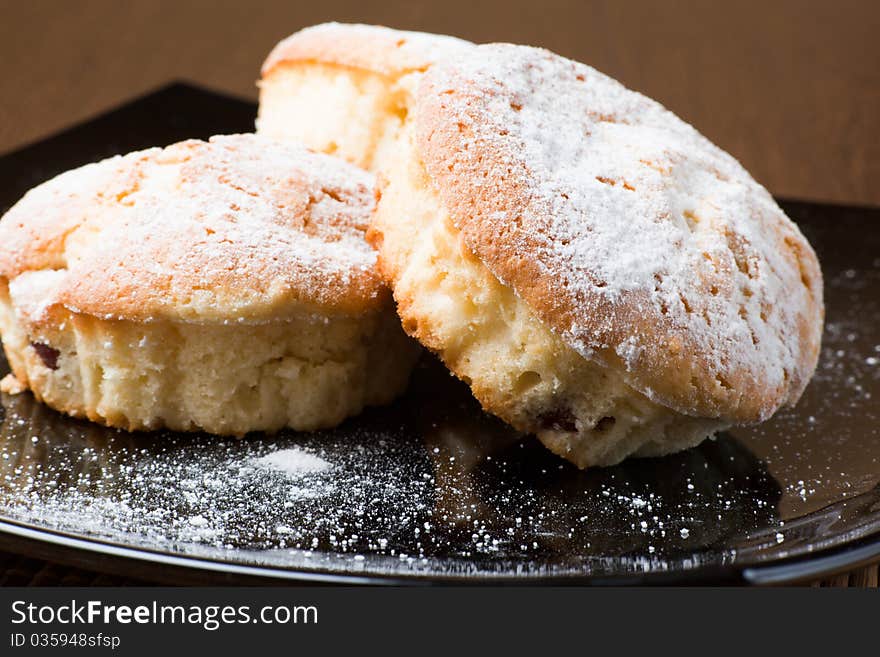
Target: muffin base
{"points": [[304, 373]]}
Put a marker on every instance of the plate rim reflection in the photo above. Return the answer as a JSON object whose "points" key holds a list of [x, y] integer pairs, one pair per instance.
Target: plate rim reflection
{"points": [[208, 570]]}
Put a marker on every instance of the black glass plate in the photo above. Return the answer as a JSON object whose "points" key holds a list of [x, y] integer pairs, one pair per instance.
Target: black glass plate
{"points": [[433, 490]]}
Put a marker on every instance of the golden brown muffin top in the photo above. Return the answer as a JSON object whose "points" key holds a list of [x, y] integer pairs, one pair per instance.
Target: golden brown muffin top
{"points": [[639, 242], [370, 47], [240, 228]]}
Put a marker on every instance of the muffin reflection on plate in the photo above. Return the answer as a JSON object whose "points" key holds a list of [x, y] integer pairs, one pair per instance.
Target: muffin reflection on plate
{"points": [[494, 484]]}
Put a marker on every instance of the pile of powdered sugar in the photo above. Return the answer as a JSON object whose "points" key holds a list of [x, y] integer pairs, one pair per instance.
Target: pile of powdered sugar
{"points": [[293, 462]]}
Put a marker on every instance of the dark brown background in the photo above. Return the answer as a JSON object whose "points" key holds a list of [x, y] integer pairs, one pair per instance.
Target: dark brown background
{"points": [[790, 88]]}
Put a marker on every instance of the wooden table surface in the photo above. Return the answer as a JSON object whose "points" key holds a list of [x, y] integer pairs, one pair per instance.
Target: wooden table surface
{"points": [[790, 88]]}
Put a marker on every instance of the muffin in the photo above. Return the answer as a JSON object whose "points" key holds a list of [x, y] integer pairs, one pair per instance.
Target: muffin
{"points": [[343, 89], [223, 286], [597, 271]]}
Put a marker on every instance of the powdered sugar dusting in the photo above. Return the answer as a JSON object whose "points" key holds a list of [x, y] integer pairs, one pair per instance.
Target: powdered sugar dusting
{"points": [[387, 495], [241, 226]]}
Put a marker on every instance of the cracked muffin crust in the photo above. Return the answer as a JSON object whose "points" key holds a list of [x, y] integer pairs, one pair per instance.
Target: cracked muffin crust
{"points": [[224, 286], [600, 273]]}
